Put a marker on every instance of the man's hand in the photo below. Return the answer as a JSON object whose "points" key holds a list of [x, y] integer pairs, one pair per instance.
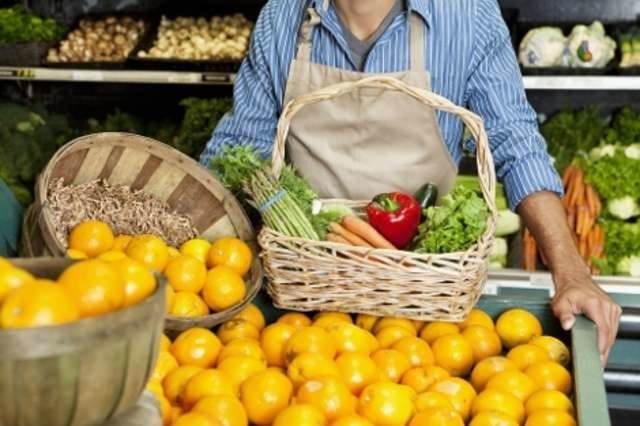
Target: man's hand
{"points": [[579, 295], [575, 291]]}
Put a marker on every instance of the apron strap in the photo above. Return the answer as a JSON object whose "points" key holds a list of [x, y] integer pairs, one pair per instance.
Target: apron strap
{"points": [[304, 39], [417, 43]]}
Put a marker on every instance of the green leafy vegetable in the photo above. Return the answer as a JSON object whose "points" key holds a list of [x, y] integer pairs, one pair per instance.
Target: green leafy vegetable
{"points": [[18, 25], [625, 127], [615, 176], [622, 240], [455, 225], [200, 119]]}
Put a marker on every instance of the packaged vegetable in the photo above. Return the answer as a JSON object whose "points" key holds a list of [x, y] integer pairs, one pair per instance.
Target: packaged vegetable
{"points": [[543, 47]]}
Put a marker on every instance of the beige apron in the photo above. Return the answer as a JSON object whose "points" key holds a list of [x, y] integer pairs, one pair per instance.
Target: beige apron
{"points": [[370, 140]]}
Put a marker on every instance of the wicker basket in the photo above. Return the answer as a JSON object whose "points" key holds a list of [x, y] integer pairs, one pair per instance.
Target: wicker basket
{"points": [[162, 172], [318, 275]]}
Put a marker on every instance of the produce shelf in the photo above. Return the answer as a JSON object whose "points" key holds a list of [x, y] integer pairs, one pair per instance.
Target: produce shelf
{"points": [[116, 76], [581, 82]]}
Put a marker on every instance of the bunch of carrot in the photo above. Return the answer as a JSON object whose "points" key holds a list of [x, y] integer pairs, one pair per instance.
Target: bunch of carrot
{"points": [[357, 232], [583, 206]]}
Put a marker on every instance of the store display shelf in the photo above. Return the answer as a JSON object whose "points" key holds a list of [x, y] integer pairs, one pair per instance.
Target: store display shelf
{"points": [[581, 82], [115, 76]]}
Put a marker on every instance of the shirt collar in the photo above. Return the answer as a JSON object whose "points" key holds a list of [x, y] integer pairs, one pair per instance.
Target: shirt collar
{"points": [[421, 7]]}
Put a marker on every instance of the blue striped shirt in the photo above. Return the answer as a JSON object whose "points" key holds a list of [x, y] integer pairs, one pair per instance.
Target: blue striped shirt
{"points": [[470, 57]]}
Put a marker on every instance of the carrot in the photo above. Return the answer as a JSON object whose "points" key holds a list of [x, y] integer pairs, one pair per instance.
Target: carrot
{"points": [[355, 240], [582, 248], [529, 251], [587, 222], [598, 206], [568, 174], [571, 217], [333, 238], [578, 190], [365, 231], [591, 200]]}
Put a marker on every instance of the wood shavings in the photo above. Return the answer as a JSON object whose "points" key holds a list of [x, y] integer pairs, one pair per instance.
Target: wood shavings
{"points": [[126, 211]]}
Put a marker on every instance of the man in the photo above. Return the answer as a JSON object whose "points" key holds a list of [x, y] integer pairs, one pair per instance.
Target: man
{"points": [[369, 140]]}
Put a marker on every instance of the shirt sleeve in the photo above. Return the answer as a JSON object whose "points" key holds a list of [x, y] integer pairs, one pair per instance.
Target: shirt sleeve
{"points": [[253, 119], [495, 92]]}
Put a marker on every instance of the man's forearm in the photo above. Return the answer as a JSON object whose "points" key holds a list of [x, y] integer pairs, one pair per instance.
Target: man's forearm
{"points": [[545, 217]]}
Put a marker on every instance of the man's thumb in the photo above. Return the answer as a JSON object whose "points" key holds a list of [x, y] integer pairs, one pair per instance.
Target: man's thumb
{"points": [[567, 320]]}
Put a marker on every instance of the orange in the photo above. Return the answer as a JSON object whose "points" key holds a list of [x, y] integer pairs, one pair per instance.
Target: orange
{"points": [[489, 367], [325, 319], [557, 350], [385, 403], [421, 378], [173, 252], [207, 382], [310, 339], [514, 381], [231, 252], [240, 368], [330, 395], [112, 256], [76, 255], [265, 395], [416, 349], [453, 353], [37, 304], [300, 415], [460, 393], [253, 314], [477, 317], [196, 346], [92, 237], [357, 371], [391, 363], [175, 413], [174, 382], [295, 319], [517, 326], [185, 273], [550, 418], [169, 295], [550, 375], [352, 420], [498, 400], [121, 242], [307, 366], [273, 341], [195, 419], [223, 288], [433, 330], [165, 364], [417, 324], [431, 399], [393, 321], [165, 410], [437, 416], [139, 282], [243, 347], [12, 278], [492, 418], [484, 342], [548, 399], [351, 338], [187, 304], [526, 354], [4, 263], [150, 250], [155, 387], [165, 343], [368, 322], [389, 335], [95, 286], [225, 409], [198, 248], [237, 329]]}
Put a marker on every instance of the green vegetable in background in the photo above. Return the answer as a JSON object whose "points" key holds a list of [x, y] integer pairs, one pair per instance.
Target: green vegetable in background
{"points": [[622, 240], [615, 176], [18, 25], [571, 132], [453, 226], [625, 127], [200, 119]]}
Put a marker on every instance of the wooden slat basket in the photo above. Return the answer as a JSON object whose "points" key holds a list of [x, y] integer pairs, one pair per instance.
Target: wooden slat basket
{"points": [[160, 171], [318, 275]]}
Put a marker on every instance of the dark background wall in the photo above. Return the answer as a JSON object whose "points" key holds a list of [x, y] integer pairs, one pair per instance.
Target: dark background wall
{"points": [[574, 10]]}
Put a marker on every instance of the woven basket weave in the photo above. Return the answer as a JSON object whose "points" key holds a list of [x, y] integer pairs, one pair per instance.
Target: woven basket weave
{"points": [[319, 276]]}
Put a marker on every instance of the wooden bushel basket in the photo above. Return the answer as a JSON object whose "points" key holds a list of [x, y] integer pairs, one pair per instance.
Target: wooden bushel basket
{"points": [[319, 276], [164, 173], [81, 373]]}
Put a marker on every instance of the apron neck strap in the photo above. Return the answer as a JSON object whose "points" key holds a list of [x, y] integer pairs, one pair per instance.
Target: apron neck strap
{"points": [[416, 43]]}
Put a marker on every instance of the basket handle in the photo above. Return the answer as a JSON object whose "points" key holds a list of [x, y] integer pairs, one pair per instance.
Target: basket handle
{"points": [[484, 159]]}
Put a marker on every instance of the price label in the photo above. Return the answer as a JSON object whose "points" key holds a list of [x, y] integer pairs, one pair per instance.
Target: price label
{"points": [[87, 75]]}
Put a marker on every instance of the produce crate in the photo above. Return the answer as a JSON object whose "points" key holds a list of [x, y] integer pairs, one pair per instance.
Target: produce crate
{"points": [[589, 391]]}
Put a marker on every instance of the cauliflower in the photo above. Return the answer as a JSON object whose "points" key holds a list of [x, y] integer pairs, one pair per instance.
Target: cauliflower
{"points": [[623, 208], [629, 265], [602, 151], [543, 47], [590, 47]]}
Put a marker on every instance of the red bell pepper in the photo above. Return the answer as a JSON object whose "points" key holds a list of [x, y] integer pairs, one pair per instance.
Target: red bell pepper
{"points": [[396, 216]]}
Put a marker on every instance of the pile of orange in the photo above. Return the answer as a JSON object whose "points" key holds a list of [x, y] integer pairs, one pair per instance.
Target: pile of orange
{"points": [[202, 276], [335, 370], [85, 289]]}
